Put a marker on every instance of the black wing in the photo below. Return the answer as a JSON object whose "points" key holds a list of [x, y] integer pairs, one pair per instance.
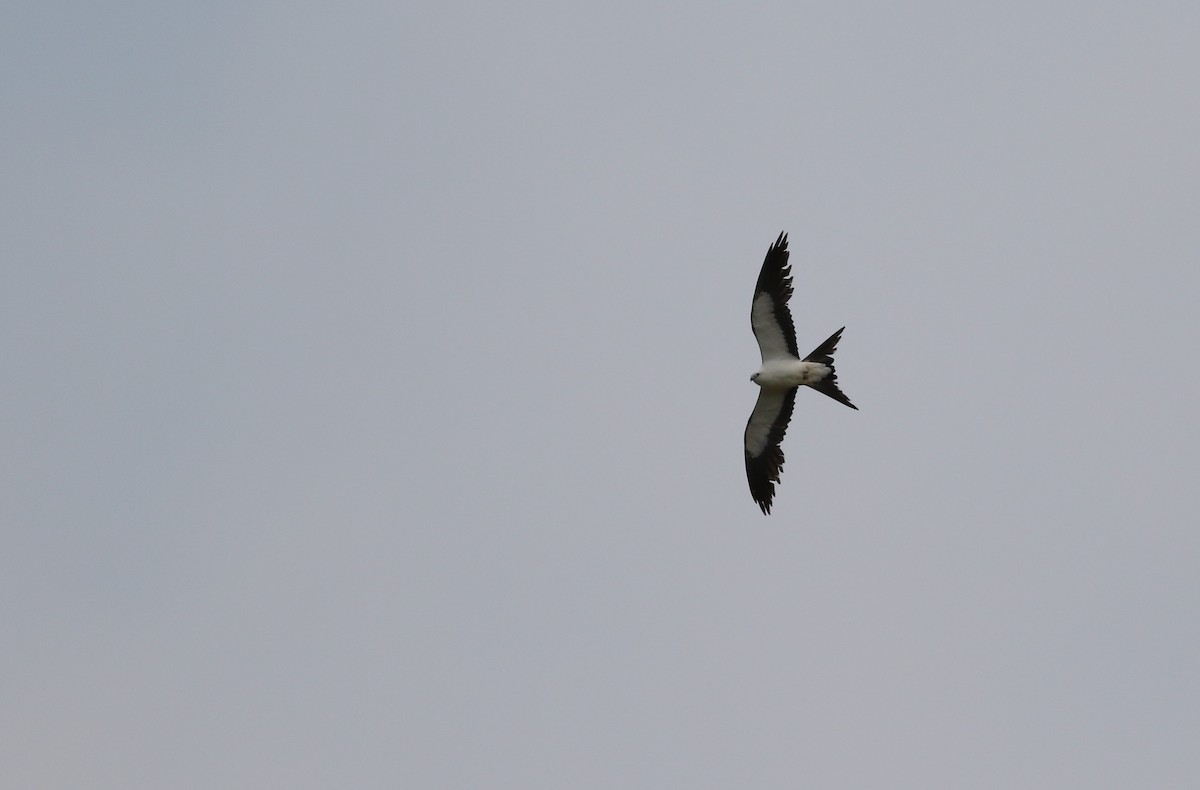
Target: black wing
{"points": [[764, 432], [769, 315]]}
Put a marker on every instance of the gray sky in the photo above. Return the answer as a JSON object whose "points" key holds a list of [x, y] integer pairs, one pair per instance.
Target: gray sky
{"points": [[375, 378]]}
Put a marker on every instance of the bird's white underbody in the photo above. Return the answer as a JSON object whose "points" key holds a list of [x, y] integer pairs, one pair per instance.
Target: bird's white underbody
{"points": [[787, 373]]}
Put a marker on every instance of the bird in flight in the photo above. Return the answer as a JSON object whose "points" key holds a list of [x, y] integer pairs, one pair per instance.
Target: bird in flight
{"points": [[782, 373]]}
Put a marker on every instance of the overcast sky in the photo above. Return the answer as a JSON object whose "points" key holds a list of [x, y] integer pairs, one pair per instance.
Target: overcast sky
{"points": [[374, 379]]}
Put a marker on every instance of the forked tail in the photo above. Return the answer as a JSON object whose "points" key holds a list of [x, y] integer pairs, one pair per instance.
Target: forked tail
{"points": [[824, 354]]}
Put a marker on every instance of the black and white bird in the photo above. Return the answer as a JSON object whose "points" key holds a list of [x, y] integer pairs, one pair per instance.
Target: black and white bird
{"points": [[782, 373]]}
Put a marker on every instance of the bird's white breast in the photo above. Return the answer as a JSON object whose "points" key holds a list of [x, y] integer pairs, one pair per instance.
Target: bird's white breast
{"points": [[788, 373]]}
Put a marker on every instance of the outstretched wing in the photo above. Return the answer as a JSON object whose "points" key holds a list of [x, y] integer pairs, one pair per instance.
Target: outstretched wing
{"points": [[764, 432], [769, 315]]}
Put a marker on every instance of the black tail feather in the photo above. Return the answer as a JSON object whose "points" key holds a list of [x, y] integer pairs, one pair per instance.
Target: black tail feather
{"points": [[828, 385]]}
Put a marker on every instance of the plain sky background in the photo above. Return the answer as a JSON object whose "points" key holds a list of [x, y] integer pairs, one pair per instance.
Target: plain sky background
{"points": [[374, 379]]}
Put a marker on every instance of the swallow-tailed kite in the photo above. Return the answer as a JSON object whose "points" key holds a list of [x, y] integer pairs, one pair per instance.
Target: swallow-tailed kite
{"points": [[781, 374]]}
